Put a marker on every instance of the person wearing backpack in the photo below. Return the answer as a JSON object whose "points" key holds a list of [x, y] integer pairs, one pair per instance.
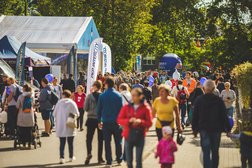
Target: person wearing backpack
{"points": [[182, 94], [12, 110], [25, 119], [46, 105]]}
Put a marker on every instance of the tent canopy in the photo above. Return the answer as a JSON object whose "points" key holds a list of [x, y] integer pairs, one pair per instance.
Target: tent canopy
{"points": [[9, 47], [51, 34]]}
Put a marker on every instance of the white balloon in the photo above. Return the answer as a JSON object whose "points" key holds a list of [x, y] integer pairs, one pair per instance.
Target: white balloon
{"points": [[176, 75]]}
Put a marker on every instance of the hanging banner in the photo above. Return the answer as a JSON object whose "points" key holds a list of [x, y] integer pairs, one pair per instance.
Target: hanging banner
{"points": [[138, 63], [107, 60], [72, 63], [93, 62], [20, 64]]}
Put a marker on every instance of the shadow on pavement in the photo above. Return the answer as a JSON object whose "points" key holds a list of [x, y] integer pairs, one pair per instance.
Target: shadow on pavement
{"points": [[225, 143], [61, 165], [7, 149]]}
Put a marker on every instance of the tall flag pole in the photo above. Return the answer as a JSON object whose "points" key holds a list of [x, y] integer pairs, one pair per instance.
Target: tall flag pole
{"points": [[20, 64], [107, 59], [75, 66], [93, 62]]}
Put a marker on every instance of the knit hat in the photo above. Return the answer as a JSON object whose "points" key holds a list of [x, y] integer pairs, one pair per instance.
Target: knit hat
{"points": [[167, 130]]}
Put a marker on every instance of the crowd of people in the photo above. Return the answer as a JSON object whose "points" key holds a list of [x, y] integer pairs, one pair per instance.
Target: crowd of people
{"points": [[123, 105]]}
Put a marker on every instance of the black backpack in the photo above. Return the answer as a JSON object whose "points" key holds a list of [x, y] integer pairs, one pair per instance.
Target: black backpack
{"points": [[17, 93], [54, 98]]}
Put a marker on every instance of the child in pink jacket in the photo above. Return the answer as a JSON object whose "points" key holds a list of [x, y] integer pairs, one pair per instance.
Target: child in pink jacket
{"points": [[166, 148]]}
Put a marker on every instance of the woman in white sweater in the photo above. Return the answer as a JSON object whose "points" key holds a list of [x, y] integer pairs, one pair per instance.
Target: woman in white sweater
{"points": [[63, 109]]}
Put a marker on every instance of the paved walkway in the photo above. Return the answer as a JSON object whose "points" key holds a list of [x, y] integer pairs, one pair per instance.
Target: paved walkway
{"points": [[188, 155], [47, 156]]}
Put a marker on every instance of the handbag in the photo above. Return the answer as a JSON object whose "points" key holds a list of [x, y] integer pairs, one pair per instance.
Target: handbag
{"points": [[71, 121], [3, 117], [135, 134], [180, 138]]}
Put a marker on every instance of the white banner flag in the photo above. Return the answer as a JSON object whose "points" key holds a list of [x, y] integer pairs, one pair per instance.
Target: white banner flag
{"points": [[93, 62], [106, 67]]}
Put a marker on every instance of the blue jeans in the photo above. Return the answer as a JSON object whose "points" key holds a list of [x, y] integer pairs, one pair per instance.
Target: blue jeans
{"points": [[139, 152], [210, 143], [110, 129], [230, 112], [182, 108], [52, 119], [70, 146]]}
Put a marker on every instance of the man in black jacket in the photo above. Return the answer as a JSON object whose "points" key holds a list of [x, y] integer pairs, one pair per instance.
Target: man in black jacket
{"points": [[70, 84], [210, 120]]}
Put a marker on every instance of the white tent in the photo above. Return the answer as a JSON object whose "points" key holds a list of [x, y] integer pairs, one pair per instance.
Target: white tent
{"points": [[48, 34]]}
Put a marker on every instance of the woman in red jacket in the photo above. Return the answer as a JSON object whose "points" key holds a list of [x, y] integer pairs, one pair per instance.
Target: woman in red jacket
{"points": [[135, 118], [79, 98]]}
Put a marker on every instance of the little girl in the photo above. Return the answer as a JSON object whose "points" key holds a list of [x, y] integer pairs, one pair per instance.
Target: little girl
{"points": [[166, 148]]}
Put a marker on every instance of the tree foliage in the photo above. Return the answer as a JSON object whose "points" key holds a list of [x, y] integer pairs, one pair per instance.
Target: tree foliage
{"points": [[156, 27]]}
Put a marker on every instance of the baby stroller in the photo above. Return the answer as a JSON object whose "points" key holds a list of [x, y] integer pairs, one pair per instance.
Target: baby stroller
{"points": [[1, 129], [3, 121], [30, 135]]}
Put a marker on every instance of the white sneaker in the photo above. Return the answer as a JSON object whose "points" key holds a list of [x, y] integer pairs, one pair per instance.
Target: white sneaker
{"points": [[62, 161], [72, 159]]}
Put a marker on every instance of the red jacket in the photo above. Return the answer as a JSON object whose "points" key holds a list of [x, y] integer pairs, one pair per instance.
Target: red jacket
{"points": [[79, 99], [143, 112]]}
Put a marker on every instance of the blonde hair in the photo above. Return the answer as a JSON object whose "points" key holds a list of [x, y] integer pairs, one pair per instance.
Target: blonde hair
{"points": [[81, 87], [167, 88], [227, 84]]}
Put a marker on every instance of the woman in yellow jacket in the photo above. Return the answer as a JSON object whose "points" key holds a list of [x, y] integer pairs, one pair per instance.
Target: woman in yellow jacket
{"points": [[164, 108]]}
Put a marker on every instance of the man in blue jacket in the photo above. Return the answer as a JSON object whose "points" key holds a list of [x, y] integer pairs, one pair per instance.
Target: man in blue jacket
{"points": [[109, 105]]}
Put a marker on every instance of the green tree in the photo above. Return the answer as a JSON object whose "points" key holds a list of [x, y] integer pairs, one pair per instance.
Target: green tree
{"points": [[156, 27], [11, 7]]}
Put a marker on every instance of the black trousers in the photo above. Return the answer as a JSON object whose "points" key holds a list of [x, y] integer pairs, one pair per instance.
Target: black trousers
{"points": [[25, 134], [246, 150], [92, 125], [80, 118], [11, 120]]}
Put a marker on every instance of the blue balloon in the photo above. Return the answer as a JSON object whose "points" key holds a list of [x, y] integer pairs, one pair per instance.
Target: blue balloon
{"points": [[202, 80], [49, 77], [231, 122], [151, 81]]}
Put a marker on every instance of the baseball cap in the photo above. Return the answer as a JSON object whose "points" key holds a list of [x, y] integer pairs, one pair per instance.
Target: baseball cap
{"points": [[167, 130]]}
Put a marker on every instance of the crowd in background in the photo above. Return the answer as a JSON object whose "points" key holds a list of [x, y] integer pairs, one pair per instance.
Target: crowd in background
{"points": [[123, 105]]}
